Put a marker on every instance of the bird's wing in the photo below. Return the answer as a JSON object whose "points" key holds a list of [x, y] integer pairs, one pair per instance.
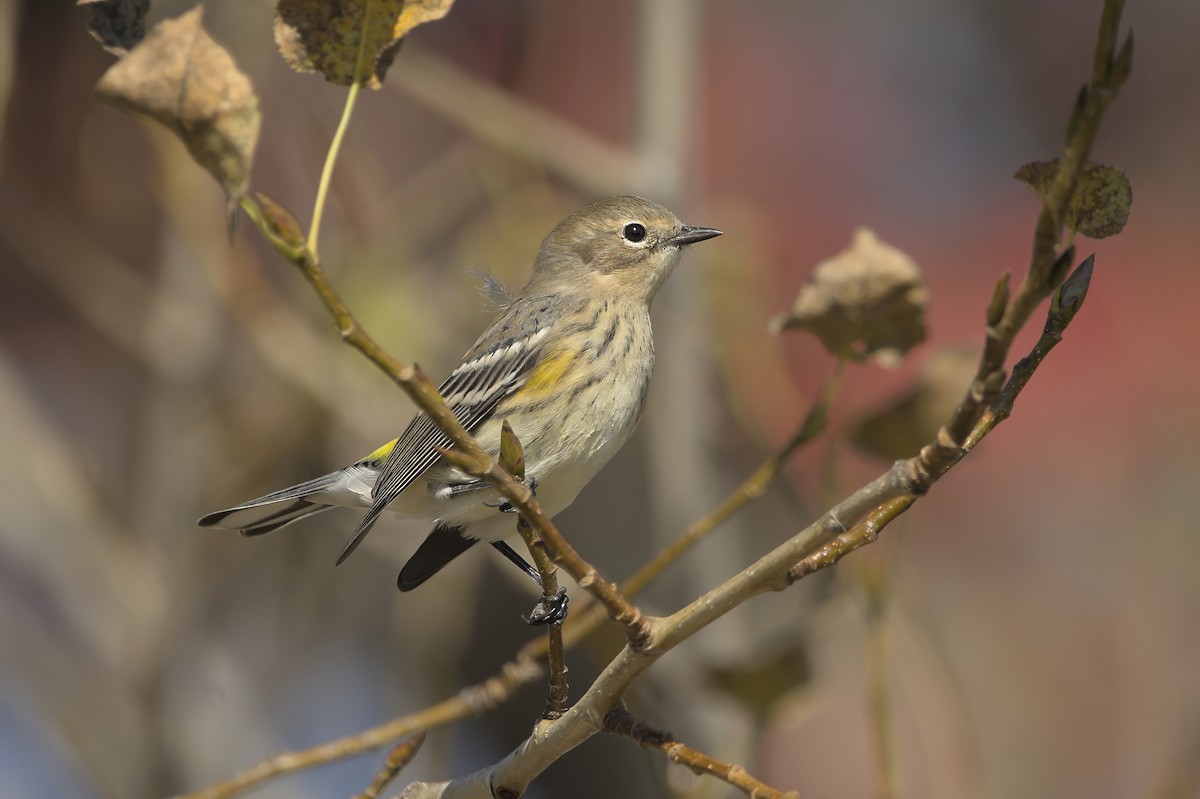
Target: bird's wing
{"points": [[499, 363]]}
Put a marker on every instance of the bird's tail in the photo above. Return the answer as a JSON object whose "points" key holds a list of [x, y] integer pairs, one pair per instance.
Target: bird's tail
{"points": [[275, 510]]}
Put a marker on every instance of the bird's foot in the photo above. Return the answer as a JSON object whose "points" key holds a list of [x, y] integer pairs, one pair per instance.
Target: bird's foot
{"points": [[549, 609], [504, 506]]}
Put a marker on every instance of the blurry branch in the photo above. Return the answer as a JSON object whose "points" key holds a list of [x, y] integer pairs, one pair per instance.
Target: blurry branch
{"points": [[873, 578], [669, 74], [1180, 777], [400, 756], [286, 341], [507, 123], [471, 701], [752, 488], [620, 722], [108, 295]]}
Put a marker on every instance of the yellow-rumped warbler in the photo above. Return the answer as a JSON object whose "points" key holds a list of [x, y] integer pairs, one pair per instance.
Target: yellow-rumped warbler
{"points": [[567, 364]]}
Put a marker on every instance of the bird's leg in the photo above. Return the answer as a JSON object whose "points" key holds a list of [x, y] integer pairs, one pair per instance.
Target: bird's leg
{"points": [[504, 506], [520, 562], [451, 490], [549, 609]]}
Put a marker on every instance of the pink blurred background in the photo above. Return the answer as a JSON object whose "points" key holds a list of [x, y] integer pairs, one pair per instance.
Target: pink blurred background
{"points": [[1041, 631]]}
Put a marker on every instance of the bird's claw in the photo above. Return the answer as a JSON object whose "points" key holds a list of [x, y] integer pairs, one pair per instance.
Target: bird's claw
{"points": [[504, 506], [549, 609]]}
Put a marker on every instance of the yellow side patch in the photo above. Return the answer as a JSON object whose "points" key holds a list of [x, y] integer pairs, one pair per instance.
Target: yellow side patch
{"points": [[547, 374], [382, 452]]}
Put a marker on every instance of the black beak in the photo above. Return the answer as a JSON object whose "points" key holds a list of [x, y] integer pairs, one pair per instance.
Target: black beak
{"points": [[691, 235]]}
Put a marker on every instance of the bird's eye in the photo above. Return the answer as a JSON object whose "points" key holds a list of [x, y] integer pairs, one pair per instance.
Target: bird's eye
{"points": [[634, 232]]}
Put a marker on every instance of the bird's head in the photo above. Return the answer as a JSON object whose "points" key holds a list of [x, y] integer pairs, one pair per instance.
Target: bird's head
{"points": [[621, 245]]}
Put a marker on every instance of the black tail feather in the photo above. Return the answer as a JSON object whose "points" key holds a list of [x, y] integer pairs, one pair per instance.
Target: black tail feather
{"points": [[260, 524], [440, 547]]}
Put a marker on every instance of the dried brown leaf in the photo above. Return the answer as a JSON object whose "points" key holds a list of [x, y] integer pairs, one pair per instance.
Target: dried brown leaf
{"points": [[319, 36], [1102, 200], [868, 300], [181, 78], [1039, 176], [901, 429], [117, 24]]}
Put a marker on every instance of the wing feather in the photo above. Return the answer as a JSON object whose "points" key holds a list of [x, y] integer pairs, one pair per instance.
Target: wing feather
{"points": [[486, 375]]}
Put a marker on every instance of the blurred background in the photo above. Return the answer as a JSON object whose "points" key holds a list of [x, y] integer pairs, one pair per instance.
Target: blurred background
{"points": [[1035, 630]]}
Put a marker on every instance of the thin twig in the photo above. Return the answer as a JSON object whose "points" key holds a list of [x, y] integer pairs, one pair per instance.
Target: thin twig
{"points": [[512, 457], [556, 699], [474, 700], [1048, 262], [752, 488], [400, 756], [1071, 297], [512, 125], [471, 458], [619, 722], [874, 580]]}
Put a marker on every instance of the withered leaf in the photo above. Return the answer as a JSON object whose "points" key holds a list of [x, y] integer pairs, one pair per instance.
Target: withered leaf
{"points": [[325, 37], [868, 300], [117, 24], [910, 422], [1100, 205], [181, 78]]}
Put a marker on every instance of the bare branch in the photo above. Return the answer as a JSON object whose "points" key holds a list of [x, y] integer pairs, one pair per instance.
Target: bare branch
{"points": [[511, 125], [512, 457], [620, 722], [400, 756]]}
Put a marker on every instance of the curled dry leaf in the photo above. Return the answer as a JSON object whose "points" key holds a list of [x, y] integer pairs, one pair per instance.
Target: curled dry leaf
{"points": [[1100, 205], [319, 36], [901, 429], [868, 300], [117, 24], [181, 78]]}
